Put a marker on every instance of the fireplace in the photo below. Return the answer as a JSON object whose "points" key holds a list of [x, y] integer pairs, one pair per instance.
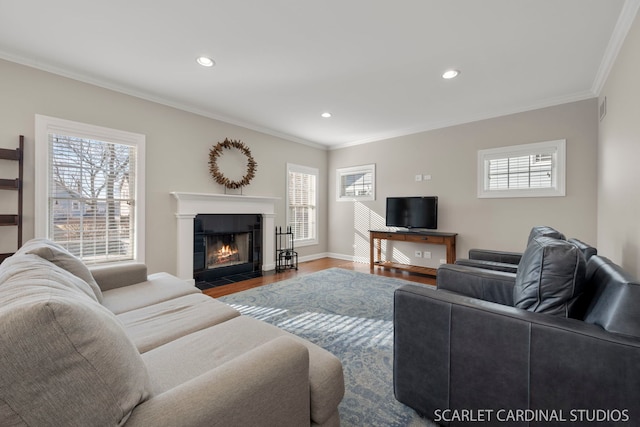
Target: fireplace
{"points": [[226, 245], [189, 205]]}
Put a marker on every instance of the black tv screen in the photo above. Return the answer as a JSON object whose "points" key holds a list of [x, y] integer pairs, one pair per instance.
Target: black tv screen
{"points": [[412, 212]]}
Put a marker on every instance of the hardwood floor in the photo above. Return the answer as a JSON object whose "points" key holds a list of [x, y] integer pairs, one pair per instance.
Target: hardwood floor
{"points": [[311, 267]]}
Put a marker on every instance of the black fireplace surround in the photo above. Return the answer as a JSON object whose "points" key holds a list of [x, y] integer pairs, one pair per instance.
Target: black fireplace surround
{"points": [[226, 245]]}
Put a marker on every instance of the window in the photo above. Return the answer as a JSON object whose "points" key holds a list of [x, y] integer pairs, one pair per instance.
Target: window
{"points": [[302, 201], [528, 170], [90, 190], [356, 183]]}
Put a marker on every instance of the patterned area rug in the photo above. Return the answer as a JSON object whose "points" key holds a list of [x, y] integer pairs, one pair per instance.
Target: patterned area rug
{"points": [[351, 315]]}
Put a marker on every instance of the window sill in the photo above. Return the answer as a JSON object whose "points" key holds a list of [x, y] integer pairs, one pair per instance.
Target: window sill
{"points": [[308, 242]]}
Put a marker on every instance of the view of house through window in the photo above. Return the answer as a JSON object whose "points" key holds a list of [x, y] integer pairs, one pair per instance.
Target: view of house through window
{"points": [[302, 199], [356, 183], [91, 200], [91, 196]]}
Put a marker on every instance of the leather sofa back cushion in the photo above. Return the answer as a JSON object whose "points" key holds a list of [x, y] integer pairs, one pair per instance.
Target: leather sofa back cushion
{"points": [[616, 298], [544, 231], [66, 360], [587, 250], [550, 277]]}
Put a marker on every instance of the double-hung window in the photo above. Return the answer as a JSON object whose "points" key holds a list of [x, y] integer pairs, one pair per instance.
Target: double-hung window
{"points": [[528, 170], [90, 190], [302, 202]]}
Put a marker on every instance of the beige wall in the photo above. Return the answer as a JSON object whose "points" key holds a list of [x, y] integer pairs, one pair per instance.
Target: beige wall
{"points": [[449, 155], [178, 144], [618, 154], [177, 151]]}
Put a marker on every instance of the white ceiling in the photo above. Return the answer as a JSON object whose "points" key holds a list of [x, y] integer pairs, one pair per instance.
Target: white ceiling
{"points": [[374, 64]]}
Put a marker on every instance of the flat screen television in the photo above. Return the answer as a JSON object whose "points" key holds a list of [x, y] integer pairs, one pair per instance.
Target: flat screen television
{"points": [[412, 212]]}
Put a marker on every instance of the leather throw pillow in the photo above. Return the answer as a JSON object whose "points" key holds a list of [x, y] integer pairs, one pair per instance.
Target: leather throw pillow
{"points": [[550, 277]]}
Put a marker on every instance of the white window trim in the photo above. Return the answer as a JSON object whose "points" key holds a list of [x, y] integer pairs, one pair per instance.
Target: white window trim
{"points": [[46, 125], [310, 171], [558, 150], [340, 172]]}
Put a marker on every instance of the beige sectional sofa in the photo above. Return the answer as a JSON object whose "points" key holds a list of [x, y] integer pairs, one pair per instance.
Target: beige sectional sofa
{"points": [[115, 346]]}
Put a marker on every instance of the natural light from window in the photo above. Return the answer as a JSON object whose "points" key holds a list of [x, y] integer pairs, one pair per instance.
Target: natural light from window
{"points": [[356, 183], [89, 190], [527, 170], [302, 201]]}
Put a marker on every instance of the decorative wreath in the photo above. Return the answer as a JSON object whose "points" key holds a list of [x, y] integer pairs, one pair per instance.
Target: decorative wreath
{"points": [[217, 150]]}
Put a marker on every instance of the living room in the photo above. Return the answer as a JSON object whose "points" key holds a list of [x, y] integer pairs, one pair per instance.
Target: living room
{"points": [[600, 206], [599, 179]]}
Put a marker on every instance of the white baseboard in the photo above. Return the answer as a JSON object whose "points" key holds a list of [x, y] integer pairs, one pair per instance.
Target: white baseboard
{"points": [[364, 260], [269, 267], [313, 257]]}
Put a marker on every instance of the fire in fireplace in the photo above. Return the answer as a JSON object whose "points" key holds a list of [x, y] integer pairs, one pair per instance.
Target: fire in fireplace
{"points": [[227, 249], [226, 245]]}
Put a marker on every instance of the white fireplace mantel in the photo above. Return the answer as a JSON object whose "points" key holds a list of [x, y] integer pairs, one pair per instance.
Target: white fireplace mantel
{"points": [[191, 204]]}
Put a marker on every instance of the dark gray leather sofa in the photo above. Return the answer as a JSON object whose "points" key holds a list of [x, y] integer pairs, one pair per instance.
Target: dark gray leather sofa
{"points": [[505, 260], [465, 353]]}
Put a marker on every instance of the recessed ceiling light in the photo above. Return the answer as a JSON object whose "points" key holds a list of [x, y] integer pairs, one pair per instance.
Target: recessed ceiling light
{"points": [[326, 115], [205, 61], [450, 74]]}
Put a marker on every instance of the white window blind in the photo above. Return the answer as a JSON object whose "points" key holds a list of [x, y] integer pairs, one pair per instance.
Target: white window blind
{"points": [[302, 185], [528, 170], [92, 198], [90, 182], [533, 171]]}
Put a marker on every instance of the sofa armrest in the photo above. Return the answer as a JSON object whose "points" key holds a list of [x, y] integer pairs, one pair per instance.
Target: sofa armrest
{"points": [[454, 352], [117, 276], [496, 256], [268, 385], [489, 265], [488, 285]]}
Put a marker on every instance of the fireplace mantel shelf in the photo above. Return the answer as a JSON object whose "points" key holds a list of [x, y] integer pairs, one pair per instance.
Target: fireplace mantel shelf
{"points": [[179, 195]]}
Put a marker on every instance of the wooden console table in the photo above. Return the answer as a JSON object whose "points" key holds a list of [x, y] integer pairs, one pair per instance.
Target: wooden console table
{"points": [[431, 237]]}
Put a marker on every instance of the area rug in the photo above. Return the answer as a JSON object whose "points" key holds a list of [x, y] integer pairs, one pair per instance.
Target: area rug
{"points": [[351, 315]]}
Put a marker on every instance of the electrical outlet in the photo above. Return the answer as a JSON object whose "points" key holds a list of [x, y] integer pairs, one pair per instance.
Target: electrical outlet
{"points": [[427, 177], [426, 254], [418, 178], [418, 254]]}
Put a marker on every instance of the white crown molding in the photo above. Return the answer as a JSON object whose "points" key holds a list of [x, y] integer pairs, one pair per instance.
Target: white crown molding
{"points": [[623, 25], [110, 85]]}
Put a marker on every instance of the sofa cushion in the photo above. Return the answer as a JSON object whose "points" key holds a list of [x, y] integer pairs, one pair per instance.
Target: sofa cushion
{"points": [[157, 288], [614, 297], [544, 231], [112, 276], [209, 348], [587, 250], [59, 256], [152, 326], [27, 267], [550, 277], [66, 360]]}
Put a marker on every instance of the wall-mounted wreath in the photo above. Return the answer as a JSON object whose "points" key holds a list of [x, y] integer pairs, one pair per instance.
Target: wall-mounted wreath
{"points": [[217, 151]]}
